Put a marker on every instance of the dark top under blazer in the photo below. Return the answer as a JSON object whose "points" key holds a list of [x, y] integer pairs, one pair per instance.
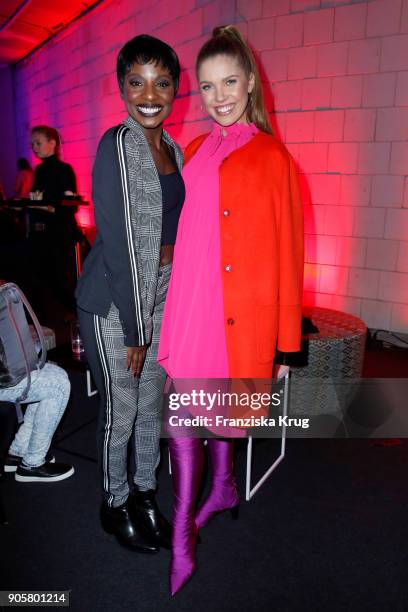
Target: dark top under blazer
{"points": [[173, 194], [115, 271]]}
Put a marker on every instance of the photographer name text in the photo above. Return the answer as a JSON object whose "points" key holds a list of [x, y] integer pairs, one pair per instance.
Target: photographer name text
{"points": [[251, 421]]}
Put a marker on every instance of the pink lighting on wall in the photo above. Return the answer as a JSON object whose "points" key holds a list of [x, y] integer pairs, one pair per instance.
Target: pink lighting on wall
{"points": [[340, 101]]}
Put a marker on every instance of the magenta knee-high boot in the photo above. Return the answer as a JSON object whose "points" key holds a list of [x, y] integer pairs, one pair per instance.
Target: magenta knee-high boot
{"points": [[223, 494], [186, 455]]}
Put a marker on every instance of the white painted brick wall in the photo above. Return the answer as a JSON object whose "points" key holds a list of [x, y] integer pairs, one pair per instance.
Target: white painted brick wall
{"points": [[336, 75]]}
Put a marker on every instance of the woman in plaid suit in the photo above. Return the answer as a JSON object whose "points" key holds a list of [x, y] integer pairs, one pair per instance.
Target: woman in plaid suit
{"points": [[138, 193]]}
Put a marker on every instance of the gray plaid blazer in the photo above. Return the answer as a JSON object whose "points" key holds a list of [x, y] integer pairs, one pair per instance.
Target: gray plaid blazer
{"points": [[122, 267]]}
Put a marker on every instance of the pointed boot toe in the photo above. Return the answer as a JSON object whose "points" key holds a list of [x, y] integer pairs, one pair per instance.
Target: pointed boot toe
{"points": [[117, 521], [180, 574]]}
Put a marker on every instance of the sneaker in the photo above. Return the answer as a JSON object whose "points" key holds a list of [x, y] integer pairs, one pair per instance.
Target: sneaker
{"points": [[12, 462], [48, 472]]}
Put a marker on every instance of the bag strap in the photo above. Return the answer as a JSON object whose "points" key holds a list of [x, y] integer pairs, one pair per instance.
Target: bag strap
{"points": [[6, 289], [43, 355]]}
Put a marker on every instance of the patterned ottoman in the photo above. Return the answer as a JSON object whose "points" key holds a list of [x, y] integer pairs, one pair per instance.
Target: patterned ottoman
{"points": [[335, 358]]}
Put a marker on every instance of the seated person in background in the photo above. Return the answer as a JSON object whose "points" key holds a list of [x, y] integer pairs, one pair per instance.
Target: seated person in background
{"points": [[24, 179], [53, 177], [47, 399]]}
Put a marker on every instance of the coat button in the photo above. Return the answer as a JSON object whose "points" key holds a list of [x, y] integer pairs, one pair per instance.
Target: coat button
{"points": [[227, 268], [230, 321], [226, 213]]}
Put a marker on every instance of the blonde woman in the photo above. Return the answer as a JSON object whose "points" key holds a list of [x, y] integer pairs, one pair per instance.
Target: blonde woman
{"points": [[236, 285]]}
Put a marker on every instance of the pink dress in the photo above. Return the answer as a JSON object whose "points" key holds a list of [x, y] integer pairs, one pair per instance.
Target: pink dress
{"points": [[192, 340]]}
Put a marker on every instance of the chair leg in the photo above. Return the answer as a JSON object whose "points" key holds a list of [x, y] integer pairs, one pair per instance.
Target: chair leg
{"points": [[250, 492]]}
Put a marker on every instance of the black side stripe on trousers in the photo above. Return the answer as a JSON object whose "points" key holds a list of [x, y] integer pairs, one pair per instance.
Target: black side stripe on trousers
{"points": [[108, 395]]}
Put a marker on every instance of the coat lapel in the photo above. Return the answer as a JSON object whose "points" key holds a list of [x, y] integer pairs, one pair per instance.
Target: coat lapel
{"points": [[147, 206]]}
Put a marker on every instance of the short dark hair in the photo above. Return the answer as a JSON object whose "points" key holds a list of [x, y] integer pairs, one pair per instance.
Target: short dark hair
{"points": [[144, 49]]}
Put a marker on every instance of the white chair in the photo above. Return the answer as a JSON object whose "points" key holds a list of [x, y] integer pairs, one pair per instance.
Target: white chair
{"points": [[283, 372]]}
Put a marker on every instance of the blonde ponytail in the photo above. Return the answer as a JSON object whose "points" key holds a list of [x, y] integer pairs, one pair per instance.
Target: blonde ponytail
{"points": [[228, 40]]}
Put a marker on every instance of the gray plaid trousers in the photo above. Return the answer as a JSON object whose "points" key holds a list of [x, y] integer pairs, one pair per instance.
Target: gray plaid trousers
{"points": [[129, 405]]}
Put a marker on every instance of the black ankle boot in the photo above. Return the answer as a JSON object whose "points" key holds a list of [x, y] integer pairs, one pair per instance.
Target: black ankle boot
{"points": [[145, 513], [118, 522]]}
